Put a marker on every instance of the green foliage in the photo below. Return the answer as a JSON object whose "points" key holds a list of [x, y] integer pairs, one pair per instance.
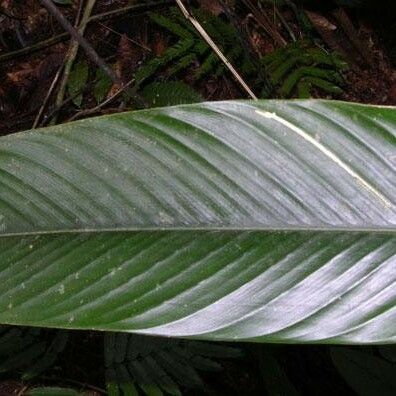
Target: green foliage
{"points": [[158, 365], [300, 66], [194, 210], [30, 351], [63, 2], [366, 374], [102, 85], [191, 48], [76, 82], [161, 94], [54, 391]]}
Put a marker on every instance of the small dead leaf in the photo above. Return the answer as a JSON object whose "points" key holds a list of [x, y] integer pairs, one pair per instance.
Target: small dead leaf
{"points": [[320, 22], [128, 58], [159, 44]]}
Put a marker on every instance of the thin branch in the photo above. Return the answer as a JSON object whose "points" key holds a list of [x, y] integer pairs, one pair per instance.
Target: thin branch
{"points": [[215, 48], [265, 22], [95, 109], [73, 50], [35, 47], [89, 50], [50, 90], [126, 37], [284, 23], [53, 113]]}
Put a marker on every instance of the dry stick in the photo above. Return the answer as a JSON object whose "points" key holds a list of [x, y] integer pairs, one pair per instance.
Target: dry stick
{"points": [[89, 50], [55, 80], [93, 110], [284, 23], [35, 47], [215, 48], [264, 21], [126, 37], [50, 90], [72, 52], [55, 111]]}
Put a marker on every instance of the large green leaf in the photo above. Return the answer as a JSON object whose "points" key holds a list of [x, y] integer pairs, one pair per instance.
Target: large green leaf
{"points": [[265, 221]]}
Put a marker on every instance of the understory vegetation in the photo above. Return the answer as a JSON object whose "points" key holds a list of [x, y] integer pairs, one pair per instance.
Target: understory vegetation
{"points": [[150, 55]]}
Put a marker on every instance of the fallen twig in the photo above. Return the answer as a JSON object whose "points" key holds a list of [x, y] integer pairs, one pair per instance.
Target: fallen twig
{"points": [[72, 52], [46, 99], [35, 47], [215, 48], [95, 109]]}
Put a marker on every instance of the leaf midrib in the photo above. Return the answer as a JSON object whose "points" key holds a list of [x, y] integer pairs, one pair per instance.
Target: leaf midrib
{"points": [[383, 230]]}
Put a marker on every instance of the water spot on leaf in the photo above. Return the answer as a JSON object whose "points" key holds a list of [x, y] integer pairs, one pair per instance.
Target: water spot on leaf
{"points": [[165, 218]]}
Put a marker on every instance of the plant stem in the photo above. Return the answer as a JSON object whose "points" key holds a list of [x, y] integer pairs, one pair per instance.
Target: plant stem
{"points": [[77, 35]]}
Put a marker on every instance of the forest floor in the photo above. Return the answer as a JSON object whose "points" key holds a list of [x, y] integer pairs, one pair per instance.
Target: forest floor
{"points": [[34, 49]]}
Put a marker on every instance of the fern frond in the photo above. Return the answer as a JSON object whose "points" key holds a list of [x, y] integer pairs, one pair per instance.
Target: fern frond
{"points": [[224, 34], [29, 350], [171, 25], [182, 64], [207, 66], [172, 53], [233, 55], [321, 57], [200, 48], [285, 68], [49, 358], [159, 365], [304, 89], [324, 85], [300, 66], [311, 71]]}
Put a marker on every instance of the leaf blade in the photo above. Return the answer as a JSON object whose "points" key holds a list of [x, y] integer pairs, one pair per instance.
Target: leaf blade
{"points": [[208, 221]]}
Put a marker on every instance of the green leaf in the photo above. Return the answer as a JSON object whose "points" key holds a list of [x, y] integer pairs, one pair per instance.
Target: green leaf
{"points": [[30, 350], [158, 364], [76, 83], [63, 2], [367, 375], [54, 391], [102, 85], [266, 221]]}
